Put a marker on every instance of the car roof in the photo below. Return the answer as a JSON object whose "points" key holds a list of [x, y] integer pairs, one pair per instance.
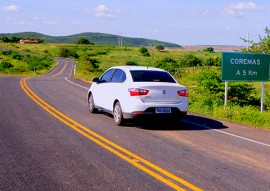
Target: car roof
{"points": [[129, 68]]}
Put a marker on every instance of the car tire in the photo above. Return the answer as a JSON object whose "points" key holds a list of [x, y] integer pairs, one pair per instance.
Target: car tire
{"points": [[118, 114], [91, 104]]}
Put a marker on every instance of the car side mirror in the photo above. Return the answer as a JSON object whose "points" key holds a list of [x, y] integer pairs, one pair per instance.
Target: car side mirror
{"points": [[96, 80]]}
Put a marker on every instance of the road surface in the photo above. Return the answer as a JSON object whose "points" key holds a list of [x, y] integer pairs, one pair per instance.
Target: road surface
{"points": [[49, 141]]}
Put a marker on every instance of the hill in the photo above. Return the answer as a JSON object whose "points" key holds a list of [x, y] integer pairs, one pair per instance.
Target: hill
{"points": [[96, 38]]}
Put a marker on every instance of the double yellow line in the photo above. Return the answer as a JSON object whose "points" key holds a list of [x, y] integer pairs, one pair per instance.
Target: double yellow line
{"points": [[162, 175], [60, 72]]}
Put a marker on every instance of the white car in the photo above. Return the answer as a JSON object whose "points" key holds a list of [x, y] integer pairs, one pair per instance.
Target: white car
{"points": [[128, 92]]}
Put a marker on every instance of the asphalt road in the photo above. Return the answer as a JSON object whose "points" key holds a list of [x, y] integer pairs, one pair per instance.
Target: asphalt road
{"points": [[49, 141]]}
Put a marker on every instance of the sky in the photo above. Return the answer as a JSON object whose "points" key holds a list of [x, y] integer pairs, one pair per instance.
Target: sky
{"points": [[184, 22]]}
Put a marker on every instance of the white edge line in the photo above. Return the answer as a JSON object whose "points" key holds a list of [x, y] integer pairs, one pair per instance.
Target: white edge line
{"points": [[233, 135], [66, 78]]}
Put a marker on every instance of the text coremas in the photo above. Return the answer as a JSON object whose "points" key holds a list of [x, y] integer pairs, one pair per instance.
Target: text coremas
{"points": [[245, 61]]}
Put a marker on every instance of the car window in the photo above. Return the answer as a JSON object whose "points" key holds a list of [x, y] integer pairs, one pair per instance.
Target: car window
{"points": [[106, 77], [119, 76], [151, 76]]}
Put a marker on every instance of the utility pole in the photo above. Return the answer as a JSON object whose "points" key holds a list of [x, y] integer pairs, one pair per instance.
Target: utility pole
{"points": [[247, 41], [120, 41]]}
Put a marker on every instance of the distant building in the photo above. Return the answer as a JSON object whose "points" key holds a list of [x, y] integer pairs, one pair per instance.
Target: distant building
{"points": [[22, 41]]}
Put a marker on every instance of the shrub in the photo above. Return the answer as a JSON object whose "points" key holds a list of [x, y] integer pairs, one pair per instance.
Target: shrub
{"points": [[190, 60], [209, 83], [160, 47], [243, 94], [7, 52], [144, 51], [168, 64], [17, 56], [216, 61], [131, 63], [38, 63], [209, 49], [83, 41], [239, 93], [89, 66], [67, 53], [5, 65], [267, 101]]}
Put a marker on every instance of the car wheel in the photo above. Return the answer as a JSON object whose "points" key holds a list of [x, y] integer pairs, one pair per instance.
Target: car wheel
{"points": [[91, 104], [117, 114]]}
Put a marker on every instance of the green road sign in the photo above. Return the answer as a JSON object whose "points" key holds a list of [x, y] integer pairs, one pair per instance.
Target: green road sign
{"points": [[245, 67]]}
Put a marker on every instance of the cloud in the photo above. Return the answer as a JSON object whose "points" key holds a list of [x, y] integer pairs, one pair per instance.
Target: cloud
{"points": [[11, 8], [199, 11], [24, 22], [50, 22], [102, 11], [239, 9], [76, 22]]}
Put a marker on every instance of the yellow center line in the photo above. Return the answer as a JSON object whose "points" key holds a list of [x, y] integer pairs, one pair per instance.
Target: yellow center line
{"points": [[60, 72], [109, 145]]}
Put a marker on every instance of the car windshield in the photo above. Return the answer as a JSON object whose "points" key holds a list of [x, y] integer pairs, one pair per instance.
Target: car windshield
{"points": [[151, 76]]}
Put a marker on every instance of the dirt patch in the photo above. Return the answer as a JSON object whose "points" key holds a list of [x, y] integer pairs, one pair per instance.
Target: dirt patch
{"points": [[216, 48]]}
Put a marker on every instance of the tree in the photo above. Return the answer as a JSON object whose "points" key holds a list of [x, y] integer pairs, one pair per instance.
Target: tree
{"points": [[209, 49], [160, 47], [144, 51], [83, 41], [263, 46], [67, 53]]}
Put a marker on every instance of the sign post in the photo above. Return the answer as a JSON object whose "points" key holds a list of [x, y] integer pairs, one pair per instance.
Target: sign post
{"points": [[245, 67]]}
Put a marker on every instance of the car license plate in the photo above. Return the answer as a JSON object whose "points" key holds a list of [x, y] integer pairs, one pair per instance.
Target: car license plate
{"points": [[163, 110]]}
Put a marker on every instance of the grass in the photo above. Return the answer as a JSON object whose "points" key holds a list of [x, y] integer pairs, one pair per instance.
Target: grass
{"points": [[93, 60]]}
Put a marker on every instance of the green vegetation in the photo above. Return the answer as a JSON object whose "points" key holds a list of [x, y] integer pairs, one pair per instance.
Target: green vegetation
{"points": [[96, 38], [84, 41], [14, 39], [12, 62], [144, 51], [263, 46], [159, 47], [200, 71], [209, 49]]}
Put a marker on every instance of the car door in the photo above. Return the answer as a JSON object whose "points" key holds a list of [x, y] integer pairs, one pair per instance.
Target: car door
{"points": [[102, 90], [116, 88]]}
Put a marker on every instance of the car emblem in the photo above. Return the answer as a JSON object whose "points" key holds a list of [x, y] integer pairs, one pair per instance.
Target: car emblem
{"points": [[164, 91]]}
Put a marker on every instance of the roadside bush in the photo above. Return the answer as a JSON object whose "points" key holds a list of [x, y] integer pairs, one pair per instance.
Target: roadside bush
{"points": [[243, 94], [267, 101], [39, 63], [89, 64], [7, 52], [209, 83], [17, 56], [168, 64], [239, 93], [93, 61], [84, 41], [159, 47], [189, 60], [68, 53], [5, 65], [209, 49], [216, 61], [131, 63], [144, 51]]}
